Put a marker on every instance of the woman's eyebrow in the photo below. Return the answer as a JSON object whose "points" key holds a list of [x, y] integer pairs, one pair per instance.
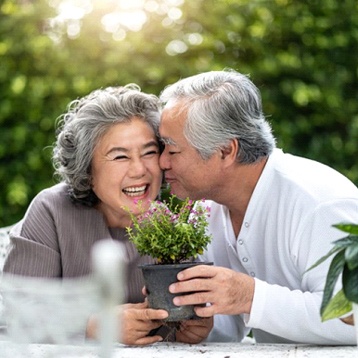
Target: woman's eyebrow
{"points": [[117, 149], [152, 143]]}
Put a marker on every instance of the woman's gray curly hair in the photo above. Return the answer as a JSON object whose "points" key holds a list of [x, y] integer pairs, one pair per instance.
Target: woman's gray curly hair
{"points": [[86, 121]]}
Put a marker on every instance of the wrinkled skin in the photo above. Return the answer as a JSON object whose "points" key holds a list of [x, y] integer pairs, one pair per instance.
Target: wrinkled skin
{"points": [[137, 320], [194, 331], [216, 285]]}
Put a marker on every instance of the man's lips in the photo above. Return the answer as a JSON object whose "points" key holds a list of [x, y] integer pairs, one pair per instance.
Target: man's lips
{"points": [[169, 179]]}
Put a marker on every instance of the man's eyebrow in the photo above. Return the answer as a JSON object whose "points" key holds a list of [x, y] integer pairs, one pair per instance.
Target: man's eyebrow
{"points": [[167, 141]]}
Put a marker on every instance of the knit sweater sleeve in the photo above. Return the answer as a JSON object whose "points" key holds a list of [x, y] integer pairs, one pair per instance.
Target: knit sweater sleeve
{"points": [[34, 242]]}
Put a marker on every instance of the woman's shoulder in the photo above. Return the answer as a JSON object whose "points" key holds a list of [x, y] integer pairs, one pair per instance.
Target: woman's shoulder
{"points": [[57, 189], [54, 194], [56, 199], [54, 204]]}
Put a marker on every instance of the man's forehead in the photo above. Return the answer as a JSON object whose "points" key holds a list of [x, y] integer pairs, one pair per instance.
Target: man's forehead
{"points": [[176, 107], [167, 141], [171, 103]]}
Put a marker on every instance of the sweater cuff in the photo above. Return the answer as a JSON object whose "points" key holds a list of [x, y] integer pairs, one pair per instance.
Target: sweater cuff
{"points": [[257, 308]]}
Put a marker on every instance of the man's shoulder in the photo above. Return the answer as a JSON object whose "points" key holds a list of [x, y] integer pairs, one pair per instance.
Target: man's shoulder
{"points": [[310, 175]]}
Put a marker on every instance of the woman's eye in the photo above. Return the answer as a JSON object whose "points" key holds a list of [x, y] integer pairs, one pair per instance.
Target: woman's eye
{"points": [[151, 153], [120, 157]]}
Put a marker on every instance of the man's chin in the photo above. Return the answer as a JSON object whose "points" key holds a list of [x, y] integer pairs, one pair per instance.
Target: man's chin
{"points": [[178, 191]]}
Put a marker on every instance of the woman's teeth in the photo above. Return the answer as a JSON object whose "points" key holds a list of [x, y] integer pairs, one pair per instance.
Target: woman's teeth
{"points": [[135, 191]]}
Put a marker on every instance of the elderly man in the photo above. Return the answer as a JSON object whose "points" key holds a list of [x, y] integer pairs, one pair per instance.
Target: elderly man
{"points": [[271, 214]]}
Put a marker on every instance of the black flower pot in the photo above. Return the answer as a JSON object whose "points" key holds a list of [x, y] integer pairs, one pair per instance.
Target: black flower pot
{"points": [[157, 280]]}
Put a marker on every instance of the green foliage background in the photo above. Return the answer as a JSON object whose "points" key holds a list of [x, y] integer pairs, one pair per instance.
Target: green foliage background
{"points": [[301, 54]]}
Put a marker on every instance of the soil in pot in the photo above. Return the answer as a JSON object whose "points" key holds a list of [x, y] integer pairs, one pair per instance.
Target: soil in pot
{"points": [[157, 280]]}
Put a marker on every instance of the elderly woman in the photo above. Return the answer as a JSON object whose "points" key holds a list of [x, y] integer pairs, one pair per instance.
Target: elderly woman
{"points": [[106, 155]]}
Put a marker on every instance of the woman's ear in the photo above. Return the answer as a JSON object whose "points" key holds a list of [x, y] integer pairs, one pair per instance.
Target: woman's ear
{"points": [[231, 151]]}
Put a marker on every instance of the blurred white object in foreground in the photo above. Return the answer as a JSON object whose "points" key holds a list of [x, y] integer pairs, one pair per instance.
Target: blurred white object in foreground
{"points": [[56, 311]]}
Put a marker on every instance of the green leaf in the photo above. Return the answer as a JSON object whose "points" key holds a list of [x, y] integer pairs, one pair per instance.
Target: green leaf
{"points": [[335, 269], [325, 257], [350, 283], [350, 228], [346, 241], [351, 256], [338, 306]]}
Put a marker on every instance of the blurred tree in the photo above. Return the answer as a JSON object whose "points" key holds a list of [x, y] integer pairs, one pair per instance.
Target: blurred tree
{"points": [[30, 92], [302, 56]]}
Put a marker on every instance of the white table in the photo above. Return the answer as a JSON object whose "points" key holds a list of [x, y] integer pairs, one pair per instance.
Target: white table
{"points": [[178, 350]]}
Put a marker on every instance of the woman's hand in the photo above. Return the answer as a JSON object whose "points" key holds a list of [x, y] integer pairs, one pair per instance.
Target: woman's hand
{"points": [[194, 331], [136, 321]]}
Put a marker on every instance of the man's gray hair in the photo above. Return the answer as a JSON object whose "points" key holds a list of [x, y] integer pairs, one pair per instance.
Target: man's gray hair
{"points": [[221, 106], [85, 123]]}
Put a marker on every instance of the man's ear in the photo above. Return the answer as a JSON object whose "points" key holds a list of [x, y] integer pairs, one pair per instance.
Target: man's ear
{"points": [[230, 152]]}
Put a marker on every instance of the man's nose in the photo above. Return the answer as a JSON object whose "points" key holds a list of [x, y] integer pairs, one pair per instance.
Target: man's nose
{"points": [[164, 161]]}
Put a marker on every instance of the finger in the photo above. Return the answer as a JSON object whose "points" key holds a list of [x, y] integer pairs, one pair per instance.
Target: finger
{"points": [[205, 312], [194, 331], [193, 285], [202, 322], [146, 327], [148, 340], [197, 298], [186, 336], [150, 314], [203, 271], [132, 306], [130, 334], [194, 335], [141, 340]]}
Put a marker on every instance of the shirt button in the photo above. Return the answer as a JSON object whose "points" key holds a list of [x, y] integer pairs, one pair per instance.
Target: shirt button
{"points": [[247, 224], [252, 274], [240, 242], [245, 259]]}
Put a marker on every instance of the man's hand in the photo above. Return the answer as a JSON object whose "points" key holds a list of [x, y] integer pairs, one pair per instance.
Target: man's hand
{"points": [[136, 321], [225, 291], [194, 331]]}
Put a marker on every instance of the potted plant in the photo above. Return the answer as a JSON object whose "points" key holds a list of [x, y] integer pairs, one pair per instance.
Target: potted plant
{"points": [[173, 233], [345, 263]]}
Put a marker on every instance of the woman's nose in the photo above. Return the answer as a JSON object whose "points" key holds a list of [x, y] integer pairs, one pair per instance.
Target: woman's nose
{"points": [[137, 168]]}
